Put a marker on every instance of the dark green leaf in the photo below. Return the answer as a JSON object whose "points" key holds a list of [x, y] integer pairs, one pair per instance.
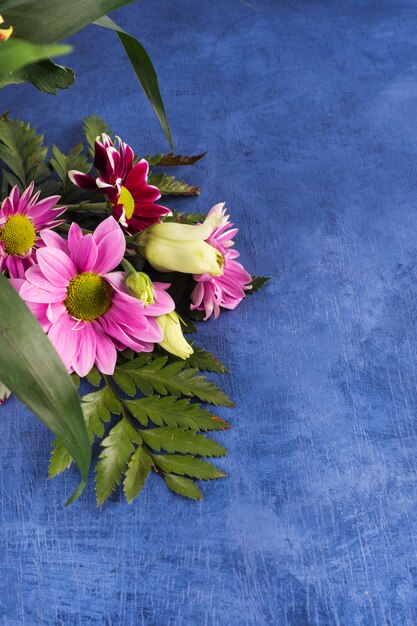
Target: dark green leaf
{"points": [[174, 412], [94, 126], [187, 465], [113, 461], [257, 283], [205, 361], [171, 186], [172, 379], [144, 71], [137, 472], [33, 371], [46, 76], [60, 459], [171, 159], [183, 486], [48, 21], [22, 151], [94, 377], [181, 440], [98, 407]]}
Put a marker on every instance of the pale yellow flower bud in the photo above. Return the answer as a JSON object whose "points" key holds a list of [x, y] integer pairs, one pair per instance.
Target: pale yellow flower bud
{"points": [[174, 341], [171, 247]]}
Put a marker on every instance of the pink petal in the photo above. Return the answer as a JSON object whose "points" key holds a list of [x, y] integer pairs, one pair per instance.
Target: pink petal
{"points": [[64, 339], [111, 249], [53, 240], [56, 266], [85, 254], [86, 350], [106, 354], [84, 181], [74, 235]]}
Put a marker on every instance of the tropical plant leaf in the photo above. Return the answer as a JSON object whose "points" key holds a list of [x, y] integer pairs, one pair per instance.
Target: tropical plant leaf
{"points": [[94, 126], [257, 283], [16, 53], [183, 486], [22, 151], [173, 160], [172, 379], [187, 465], [144, 71], [113, 461], [137, 472], [173, 412], [33, 371], [48, 21], [171, 186], [181, 440]]}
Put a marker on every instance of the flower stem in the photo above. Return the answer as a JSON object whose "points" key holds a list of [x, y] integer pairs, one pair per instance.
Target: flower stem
{"points": [[89, 206]]}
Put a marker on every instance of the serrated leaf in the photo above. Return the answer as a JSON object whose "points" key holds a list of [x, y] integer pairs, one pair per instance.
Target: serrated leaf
{"points": [[97, 408], [137, 472], [62, 164], [181, 440], [171, 186], [60, 459], [94, 377], [94, 126], [183, 486], [205, 361], [171, 159], [174, 379], [187, 465], [22, 151], [46, 76], [257, 283], [113, 460], [173, 412], [186, 218]]}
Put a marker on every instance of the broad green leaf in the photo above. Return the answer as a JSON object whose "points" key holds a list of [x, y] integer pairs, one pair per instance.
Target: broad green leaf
{"points": [[94, 126], [48, 21], [172, 379], [33, 371], [187, 465], [137, 472], [144, 70], [173, 412], [183, 486], [22, 151], [181, 440], [257, 283], [16, 53], [113, 461], [171, 186]]}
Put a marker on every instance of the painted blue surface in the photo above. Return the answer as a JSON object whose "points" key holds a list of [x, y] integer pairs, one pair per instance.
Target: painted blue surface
{"points": [[308, 111]]}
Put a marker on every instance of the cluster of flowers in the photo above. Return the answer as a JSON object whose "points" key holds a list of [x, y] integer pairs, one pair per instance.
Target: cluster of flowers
{"points": [[88, 310]]}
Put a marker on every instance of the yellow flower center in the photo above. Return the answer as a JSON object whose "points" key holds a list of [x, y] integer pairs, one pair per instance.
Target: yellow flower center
{"points": [[18, 235], [126, 199], [88, 297]]}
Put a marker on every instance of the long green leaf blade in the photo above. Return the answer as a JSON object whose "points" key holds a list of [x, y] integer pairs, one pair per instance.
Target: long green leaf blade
{"points": [[16, 53], [144, 71], [33, 371]]}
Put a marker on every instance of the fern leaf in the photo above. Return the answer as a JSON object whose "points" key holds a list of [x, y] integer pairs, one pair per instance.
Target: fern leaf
{"points": [[187, 465], [181, 440], [183, 486], [137, 472]]}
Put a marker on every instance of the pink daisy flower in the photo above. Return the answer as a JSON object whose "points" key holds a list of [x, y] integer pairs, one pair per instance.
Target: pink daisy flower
{"points": [[22, 219], [125, 184], [83, 306], [227, 290]]}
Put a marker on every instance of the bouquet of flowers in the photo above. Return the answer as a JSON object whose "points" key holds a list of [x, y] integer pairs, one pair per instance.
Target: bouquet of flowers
{"points": [[101, 279]]}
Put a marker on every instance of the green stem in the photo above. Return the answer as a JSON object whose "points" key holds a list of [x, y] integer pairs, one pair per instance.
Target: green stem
{"points": [[89, 206]]}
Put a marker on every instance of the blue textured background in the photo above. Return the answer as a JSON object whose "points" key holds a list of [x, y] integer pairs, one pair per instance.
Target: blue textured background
{"points": [[308, 110]]}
